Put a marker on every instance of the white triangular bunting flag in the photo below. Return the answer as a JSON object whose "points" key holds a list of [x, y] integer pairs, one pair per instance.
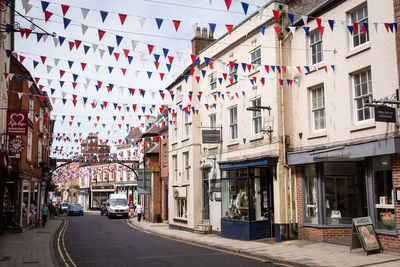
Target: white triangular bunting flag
{"points": [[137, 73], [84, 28], [85, 12], [101, 52], [194, 26], [20, 95], [246, 29], [260, 11], [53, 100], [153, 94], [97, 67], [49, 68], [305, 19], [30, 84], [293, 30], [49, 81], [63, 94], [55, 39], [86, 85], [56, 61], [94, 46], [134, 44], [87, 81], [141, 21]]}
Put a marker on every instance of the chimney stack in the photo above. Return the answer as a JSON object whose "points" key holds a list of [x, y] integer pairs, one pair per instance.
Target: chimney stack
{"points": [[202, 38]]}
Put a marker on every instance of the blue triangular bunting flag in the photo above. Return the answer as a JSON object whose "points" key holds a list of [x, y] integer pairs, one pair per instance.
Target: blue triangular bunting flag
{"points": [[110, 69], [307, 30], [291, 18], [86, 48], [70, 63], [103, 15], [44, 5], [156, 57], [245, 7], [165, 51], [119, 39], [149, 74], [61, 40], [35, 63], [110, 49], [212, 27], [168, 67], [159, 22], [331, 24], [66, 22], [130, 59], [262, 29]]}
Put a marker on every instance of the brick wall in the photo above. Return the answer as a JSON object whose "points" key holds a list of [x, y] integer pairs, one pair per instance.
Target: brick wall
{"points": [[396, 5], [153, 162], [301, 7], [163, 172]]}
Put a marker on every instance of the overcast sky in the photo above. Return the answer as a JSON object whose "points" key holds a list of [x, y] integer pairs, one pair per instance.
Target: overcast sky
{"points": [[138, 11]]}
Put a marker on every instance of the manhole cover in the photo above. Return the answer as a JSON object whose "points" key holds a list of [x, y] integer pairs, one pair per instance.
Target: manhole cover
{"points": [[43, 232]]}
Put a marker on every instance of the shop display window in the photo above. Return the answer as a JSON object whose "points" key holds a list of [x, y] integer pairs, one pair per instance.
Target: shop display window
{"points": [[26, 187], [181, 208], [311, 194], [343, 201], [383, 194], [245, 198]]}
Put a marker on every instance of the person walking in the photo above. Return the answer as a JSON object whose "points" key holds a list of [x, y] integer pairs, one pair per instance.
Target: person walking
{"points": [[45, 212], [139, 211], [51, 210]]}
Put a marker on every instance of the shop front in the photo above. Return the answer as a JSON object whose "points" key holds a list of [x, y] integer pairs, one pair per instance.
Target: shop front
{"points": [[128, 189], [100, 194], [338, 184], [247, 198]]}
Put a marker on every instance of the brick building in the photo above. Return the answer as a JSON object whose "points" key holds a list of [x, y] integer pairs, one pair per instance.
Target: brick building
{"points": [[25, 189], [163, 161]]}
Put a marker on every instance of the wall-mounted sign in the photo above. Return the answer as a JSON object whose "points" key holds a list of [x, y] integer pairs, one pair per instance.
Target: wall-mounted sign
{"points": [[363, 235], [16, 145], [17, 122], [211, 136], [385, 114], [332, 154]]}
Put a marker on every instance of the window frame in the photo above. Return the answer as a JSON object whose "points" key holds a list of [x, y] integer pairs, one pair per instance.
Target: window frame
{"points": [[165, 155], [41, 114], [212, 81], [175, 167], [176, 127], [359, 32], [40, 150], [29, 145], [211, 120], [314, 110], [186, 165], [256, 116], [31, 109], [232, 72], [178, 206], [314, 44], [179, 94], [254, 62], [186, 126], [362, 96], [233, 126]]}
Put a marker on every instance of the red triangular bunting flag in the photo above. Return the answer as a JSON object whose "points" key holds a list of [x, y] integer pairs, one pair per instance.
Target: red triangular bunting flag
{"points": [[157, 64], [355, 27], [122, 17], [64, 9], [116, 55], [228, 4], [318, 22], [150, 47], [37, 80], [21, 58], [321, 30], [229, 27], [47, 15], [123, 71], [126, 52], [277, 30], [176, 24], [198, 79], [105, 104], [101, 34], [77, 43], [224, 75], [43, 58], [62, 72], [83, 65], [134, 107], [191, 71], [170, 59], [74, 84], [267, 68], [276, 15], [193, 57], [231, 64], [161, 76], [71, 45]]}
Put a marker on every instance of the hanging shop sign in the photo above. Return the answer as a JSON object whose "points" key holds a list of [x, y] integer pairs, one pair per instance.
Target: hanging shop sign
{"points": [[385, 114], [211, 136], [363, 235], [16, 145], [17, 122]]}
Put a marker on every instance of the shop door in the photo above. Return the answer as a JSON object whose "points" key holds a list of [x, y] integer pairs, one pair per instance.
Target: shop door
{"points": [[206, 201]]}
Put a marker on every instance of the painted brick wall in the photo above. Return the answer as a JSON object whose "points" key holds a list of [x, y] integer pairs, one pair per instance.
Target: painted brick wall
{"points": [[396, 5]]}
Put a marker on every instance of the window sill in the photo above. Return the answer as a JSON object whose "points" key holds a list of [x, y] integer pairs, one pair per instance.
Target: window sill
{"points": [[256, 138], [212, 147], [386, 232], [364, 126], [180, 220], [233, 143], [358, 50], [316, 135], [185, 139], [253, 73], [320, 66], [327, 226], [231, 84], [174, 143]]}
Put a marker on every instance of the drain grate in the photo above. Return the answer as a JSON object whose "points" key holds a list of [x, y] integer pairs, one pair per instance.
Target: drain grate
{"points": [[5, 258], [30, 262]]}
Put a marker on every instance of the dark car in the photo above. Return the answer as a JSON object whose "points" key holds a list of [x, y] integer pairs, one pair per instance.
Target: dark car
{"points": [[103, 208], [75, 209]]}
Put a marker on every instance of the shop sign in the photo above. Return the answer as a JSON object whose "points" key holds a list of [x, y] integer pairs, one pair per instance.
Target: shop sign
{"points": [[17, 122], [332, 154], [16, 145], [211, 136], [385, 114], [215, 185], [364, 236]]}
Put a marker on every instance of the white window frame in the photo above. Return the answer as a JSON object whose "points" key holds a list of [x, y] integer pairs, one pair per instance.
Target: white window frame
{"points": [[232, 72], [165, 154], [186, 165], [31, 108], [29, 146], [255, 60], [41, 120], [179, 202], [212, 81], [186, 125], [175, 167], [233, 125], [213, 120], [40, 149], [176, 127], [317, 97], [355, 17], [316, 47], [179, 94], [256, 117], [363, 96]]}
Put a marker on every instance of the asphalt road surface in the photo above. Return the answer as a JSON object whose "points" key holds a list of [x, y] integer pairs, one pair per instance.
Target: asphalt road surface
{"points": [[94, 240]]}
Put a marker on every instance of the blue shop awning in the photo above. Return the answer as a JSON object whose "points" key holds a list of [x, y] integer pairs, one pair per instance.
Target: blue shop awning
{"points": [[244, 163]]}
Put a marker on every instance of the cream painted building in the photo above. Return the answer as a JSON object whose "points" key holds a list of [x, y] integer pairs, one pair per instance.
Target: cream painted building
{"points": [[346, 160]]}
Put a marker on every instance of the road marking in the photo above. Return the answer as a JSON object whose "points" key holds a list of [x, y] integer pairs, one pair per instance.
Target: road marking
{"points": [[206, 247], [61, 236]]}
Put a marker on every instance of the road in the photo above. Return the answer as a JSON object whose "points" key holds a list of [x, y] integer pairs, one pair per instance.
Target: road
{"points": [[94, 240]]}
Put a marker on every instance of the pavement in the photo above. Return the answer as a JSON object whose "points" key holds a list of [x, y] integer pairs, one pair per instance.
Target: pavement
{"points": [[296, 252], [31, 248]]}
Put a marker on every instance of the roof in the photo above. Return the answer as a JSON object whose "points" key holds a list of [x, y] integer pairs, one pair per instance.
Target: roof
{"points": [[319, 10], [154, 150], [136, 133], [153, 131]]}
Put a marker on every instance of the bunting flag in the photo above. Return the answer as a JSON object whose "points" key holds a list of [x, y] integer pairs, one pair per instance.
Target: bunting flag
{"points": [[245, 7], [122, 18]]}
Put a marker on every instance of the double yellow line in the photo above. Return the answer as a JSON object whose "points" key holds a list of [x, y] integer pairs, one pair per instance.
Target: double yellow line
{"points": [[61, 246]]}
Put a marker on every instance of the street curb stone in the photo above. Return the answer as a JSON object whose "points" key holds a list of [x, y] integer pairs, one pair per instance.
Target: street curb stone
{"points": [[52, 243]]}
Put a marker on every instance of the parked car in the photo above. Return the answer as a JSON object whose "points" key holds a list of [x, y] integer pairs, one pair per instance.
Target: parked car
{"points": [[63, 207], [75, 209], [103, 208]]}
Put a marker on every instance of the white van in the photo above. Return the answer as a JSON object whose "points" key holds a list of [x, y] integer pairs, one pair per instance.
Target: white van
{"points": [[117, 206]]}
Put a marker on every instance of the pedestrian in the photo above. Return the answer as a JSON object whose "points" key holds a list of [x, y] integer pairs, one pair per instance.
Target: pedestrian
{"points": [[44, 211], [51, 210], [139, 210]]}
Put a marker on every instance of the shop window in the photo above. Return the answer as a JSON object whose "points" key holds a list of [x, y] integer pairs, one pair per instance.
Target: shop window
{"points": [[318, 108], [181, 208], [343, 201], [384, 195], [26, 187], [311, 194], [359, 16], [246, 199], [362, 95], [316, 48]]}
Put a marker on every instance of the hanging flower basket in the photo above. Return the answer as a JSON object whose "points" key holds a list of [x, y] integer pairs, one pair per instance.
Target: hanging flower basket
{"points": [[206, 167], [387, 218]]}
